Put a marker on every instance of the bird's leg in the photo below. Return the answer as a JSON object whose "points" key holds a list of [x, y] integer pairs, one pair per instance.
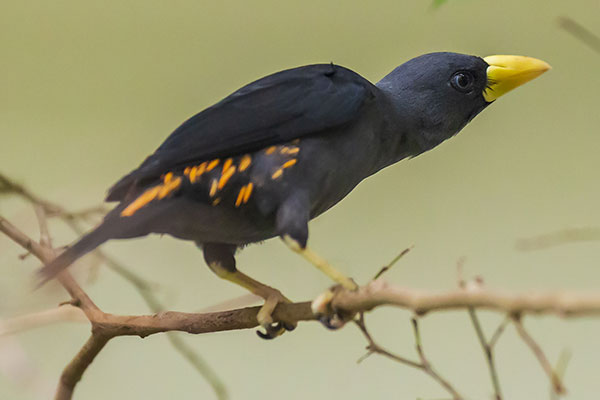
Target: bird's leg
{"points": [[220, 259], [271, 296], [321, 305], [292, 225], [320, 263]]}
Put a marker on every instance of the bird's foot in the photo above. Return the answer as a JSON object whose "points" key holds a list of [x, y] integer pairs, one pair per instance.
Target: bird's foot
{"points": [[327, 314], [265, 319]]}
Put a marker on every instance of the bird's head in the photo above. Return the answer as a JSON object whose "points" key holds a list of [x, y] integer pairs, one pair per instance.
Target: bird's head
{"points": [[439, 93]]}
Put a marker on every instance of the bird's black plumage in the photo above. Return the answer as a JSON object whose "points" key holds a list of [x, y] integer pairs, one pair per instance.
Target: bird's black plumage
{"points": [[282, 150], [272, 110], [308, 135]]}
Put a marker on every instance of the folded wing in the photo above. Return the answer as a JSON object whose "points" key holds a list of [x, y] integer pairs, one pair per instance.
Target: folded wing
{"points": [[276, 109]]}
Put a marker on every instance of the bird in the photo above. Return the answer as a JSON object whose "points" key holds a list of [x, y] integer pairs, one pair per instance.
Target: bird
{"points": [[282, 150]]}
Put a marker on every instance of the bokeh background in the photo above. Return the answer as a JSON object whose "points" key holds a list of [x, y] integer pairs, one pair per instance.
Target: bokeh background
{"points": [[89, 88]]}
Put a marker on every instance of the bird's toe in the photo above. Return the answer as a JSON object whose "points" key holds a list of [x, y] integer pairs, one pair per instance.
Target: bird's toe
{"points": [[272, 329], [328, 315]]}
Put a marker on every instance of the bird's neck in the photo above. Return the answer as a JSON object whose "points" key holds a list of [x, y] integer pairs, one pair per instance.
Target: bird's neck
{"points": [[396, 138], [404, 133]]}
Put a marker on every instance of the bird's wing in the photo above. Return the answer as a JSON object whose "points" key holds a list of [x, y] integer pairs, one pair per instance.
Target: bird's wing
{"points": [[276, 109]]}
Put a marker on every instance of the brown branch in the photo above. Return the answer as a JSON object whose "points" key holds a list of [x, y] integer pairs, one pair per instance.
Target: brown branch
{"points": [[539, 354], [45, 208], [424, 365], [499, 331], [379, 293], [560, 370], [385, 268], [46, 255], [373, 347], [488, 350], [196, 323], [75, 369], [427, 367]]}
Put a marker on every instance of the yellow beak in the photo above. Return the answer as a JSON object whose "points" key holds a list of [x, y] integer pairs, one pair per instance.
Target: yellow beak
{"points": [[508, 72]]}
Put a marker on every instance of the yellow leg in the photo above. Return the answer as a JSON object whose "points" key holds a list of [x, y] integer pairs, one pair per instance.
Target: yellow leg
{"points": [[320, 263], [271, 296]]}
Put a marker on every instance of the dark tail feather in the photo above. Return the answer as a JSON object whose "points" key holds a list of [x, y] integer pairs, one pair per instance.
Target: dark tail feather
{"points": [[83, 246]]}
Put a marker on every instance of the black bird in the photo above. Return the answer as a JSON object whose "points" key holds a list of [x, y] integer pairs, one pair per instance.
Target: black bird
{"points": [[284, 149]]}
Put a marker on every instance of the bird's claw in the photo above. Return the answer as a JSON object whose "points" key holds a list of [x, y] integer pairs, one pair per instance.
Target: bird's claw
{"points": [[328, 315], [272, 329], [332, 322]]}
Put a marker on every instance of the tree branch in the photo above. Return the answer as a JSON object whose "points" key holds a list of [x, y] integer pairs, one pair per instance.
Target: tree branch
{"points": [[379, 293], [45, 208], [75, 369], [557, 385], [488, 350], [375, 294], [424, 364]]}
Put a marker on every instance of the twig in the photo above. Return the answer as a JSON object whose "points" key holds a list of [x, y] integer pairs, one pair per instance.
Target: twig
{"points": [[46, 208], [539, 354], [424, 365], [488, 350], [427, 367], [560, 370], [499, 330], [580, 32], [46, 255], [385, 268], [373, 347]]}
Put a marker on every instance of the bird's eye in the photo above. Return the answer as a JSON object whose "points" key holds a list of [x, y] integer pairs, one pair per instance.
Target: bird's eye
{"points": [[462, 81]]}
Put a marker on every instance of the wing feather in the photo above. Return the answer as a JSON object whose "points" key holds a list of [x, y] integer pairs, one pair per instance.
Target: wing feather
{"points": [[278, 108]]}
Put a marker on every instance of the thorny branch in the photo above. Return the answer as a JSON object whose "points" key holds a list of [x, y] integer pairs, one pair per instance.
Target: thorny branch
{"points": [[377, 293]]}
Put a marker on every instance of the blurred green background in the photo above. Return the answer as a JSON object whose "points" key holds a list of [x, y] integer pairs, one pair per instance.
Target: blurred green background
{"points": [[89, 88]]}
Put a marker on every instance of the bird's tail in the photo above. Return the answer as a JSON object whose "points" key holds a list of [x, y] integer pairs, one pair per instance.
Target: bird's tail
{"points": [[83, 246]]}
